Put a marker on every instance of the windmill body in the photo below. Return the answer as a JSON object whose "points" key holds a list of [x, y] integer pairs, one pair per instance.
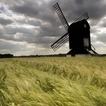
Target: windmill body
{"points": [[79, 37], [78, 34]]}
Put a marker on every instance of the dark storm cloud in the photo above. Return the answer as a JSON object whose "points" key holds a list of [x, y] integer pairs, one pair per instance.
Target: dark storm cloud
{"points": [[5, 21], [27, 9], [35, 9], [45, 24], [34, 22], [42, 16], [75, 8], [72, 10], [79, 1]]}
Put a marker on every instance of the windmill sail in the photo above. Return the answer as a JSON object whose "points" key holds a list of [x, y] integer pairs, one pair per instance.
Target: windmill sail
{"points": [[60, 42], [84, 16], [61, 16]]}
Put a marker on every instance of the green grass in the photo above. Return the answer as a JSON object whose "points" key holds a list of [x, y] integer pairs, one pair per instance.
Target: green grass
{"points": [[53, 81]]}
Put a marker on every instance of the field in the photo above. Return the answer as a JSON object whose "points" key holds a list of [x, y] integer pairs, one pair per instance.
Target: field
{"points": [[53, 81]]}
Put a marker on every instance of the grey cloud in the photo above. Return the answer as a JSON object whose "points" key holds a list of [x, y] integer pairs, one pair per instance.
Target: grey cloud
{"points": [[103, 23], [41, 15], [12, 2], [29, 8], [94, 30], [26, 9], [29, 21], [34, 9], [18, 29], [72, 9], [102, 37], [34, 22], [95, 8], [79, 1], [44, 42], [13, 47], [5, 21], [18, 34]]}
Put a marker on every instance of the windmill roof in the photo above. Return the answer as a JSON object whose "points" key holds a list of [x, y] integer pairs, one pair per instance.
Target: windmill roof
{"points": [[79, 24]]}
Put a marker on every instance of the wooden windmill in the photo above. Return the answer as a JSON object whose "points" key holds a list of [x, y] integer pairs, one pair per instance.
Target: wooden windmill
{"points": [[78, 35]]}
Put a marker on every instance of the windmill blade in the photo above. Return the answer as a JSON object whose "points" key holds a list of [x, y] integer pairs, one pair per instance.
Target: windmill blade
{"points": [[60, 42], [61, 16], [84, 16]]}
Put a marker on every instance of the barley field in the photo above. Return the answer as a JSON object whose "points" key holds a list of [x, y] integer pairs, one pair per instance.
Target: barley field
{"points": [[53, 81]]}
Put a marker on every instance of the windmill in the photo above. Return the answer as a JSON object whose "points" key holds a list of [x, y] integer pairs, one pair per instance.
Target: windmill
{"points": [[78, 34]]}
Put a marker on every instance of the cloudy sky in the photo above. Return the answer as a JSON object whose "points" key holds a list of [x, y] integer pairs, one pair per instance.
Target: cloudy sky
{"points": [[29, 27]]}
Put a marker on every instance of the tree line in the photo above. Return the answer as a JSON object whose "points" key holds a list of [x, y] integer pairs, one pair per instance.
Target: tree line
{"points": [[6, 55]]}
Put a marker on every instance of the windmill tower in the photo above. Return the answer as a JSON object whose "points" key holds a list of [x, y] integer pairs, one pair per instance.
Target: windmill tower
{"points": [[78, 35]]}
